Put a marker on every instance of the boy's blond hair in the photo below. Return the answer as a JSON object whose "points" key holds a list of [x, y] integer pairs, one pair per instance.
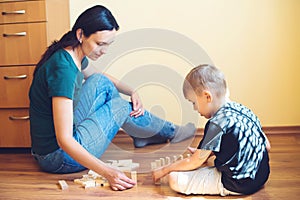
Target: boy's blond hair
{"points": [[205, 77]]}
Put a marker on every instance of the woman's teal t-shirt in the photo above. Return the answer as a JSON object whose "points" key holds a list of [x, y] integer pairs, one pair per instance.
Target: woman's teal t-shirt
{"points": [[58, 76]]}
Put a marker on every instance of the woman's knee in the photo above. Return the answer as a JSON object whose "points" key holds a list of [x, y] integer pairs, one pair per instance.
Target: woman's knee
{"points": [[99, 84], [99, 78]]}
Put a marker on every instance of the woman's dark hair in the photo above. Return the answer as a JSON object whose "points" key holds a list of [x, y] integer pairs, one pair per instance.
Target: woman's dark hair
{"points": [[96, 18]]}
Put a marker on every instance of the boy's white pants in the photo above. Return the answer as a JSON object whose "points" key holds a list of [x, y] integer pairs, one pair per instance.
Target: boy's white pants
{"points": [[206, 180]]}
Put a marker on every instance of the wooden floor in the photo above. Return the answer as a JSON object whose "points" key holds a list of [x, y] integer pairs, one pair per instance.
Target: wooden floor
{"points": [[20, 177]]}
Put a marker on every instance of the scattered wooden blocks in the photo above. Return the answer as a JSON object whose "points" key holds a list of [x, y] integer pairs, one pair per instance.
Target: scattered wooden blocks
{"points": [[93, 179], [123, 165], [63, 184]]}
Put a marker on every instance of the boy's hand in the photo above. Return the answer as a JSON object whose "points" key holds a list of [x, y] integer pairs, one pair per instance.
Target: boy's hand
{"points": [[157, 174], [191, 149], [211, 161]]}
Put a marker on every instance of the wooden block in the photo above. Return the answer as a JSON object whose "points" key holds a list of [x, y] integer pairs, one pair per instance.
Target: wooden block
{"points": [[153, 165], [123, 169], [94, 175], [127, 162], [162, 161], [85, 177], [92, 179], [134, 177], [174, 158], [135, 165], [125, 165], [115, 164], [63, 184], [180, 157], [158, 163], [157, 182], [79, 181], [102, 183], [90, 184], [105, 184], [111, 162], [168, 160]]}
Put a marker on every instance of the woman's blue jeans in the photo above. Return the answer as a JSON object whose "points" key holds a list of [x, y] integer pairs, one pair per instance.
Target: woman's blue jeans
{"points": [[98, 115]]}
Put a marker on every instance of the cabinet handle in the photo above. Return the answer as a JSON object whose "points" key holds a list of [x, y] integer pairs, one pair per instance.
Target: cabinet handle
{"points": [[16, 77], [18, 118], [14, 34], [17, 12]]}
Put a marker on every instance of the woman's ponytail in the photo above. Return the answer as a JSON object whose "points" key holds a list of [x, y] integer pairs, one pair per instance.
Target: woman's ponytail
{"points": [[68, 39]]}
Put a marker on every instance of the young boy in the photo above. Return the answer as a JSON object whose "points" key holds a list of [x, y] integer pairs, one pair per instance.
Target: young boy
{"points": [[233, 142]]}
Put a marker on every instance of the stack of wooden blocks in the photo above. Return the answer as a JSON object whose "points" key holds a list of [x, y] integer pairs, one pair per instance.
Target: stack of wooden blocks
{"points": [[93, 179]]}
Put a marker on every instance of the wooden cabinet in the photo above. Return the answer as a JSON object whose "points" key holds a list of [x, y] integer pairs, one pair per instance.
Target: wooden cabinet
{"points": [[26, 29]]}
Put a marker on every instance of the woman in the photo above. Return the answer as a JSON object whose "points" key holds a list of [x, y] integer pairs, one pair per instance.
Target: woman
{"points": [[73, 123]]}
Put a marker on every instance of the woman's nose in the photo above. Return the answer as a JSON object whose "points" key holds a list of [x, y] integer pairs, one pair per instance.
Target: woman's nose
{"points": [[103, 50]]}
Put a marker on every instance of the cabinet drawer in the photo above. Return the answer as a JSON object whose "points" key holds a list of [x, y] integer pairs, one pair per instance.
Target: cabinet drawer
{"points": [[15, 83], [22, 44], [24, 11], [15, 131]]}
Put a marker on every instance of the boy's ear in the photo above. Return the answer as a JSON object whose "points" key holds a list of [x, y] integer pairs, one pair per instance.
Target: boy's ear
{"points": [[208, 96]]}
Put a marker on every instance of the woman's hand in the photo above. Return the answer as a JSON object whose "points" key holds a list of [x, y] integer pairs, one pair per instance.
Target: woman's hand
{"points": [[138, 109], [118, 180]]}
